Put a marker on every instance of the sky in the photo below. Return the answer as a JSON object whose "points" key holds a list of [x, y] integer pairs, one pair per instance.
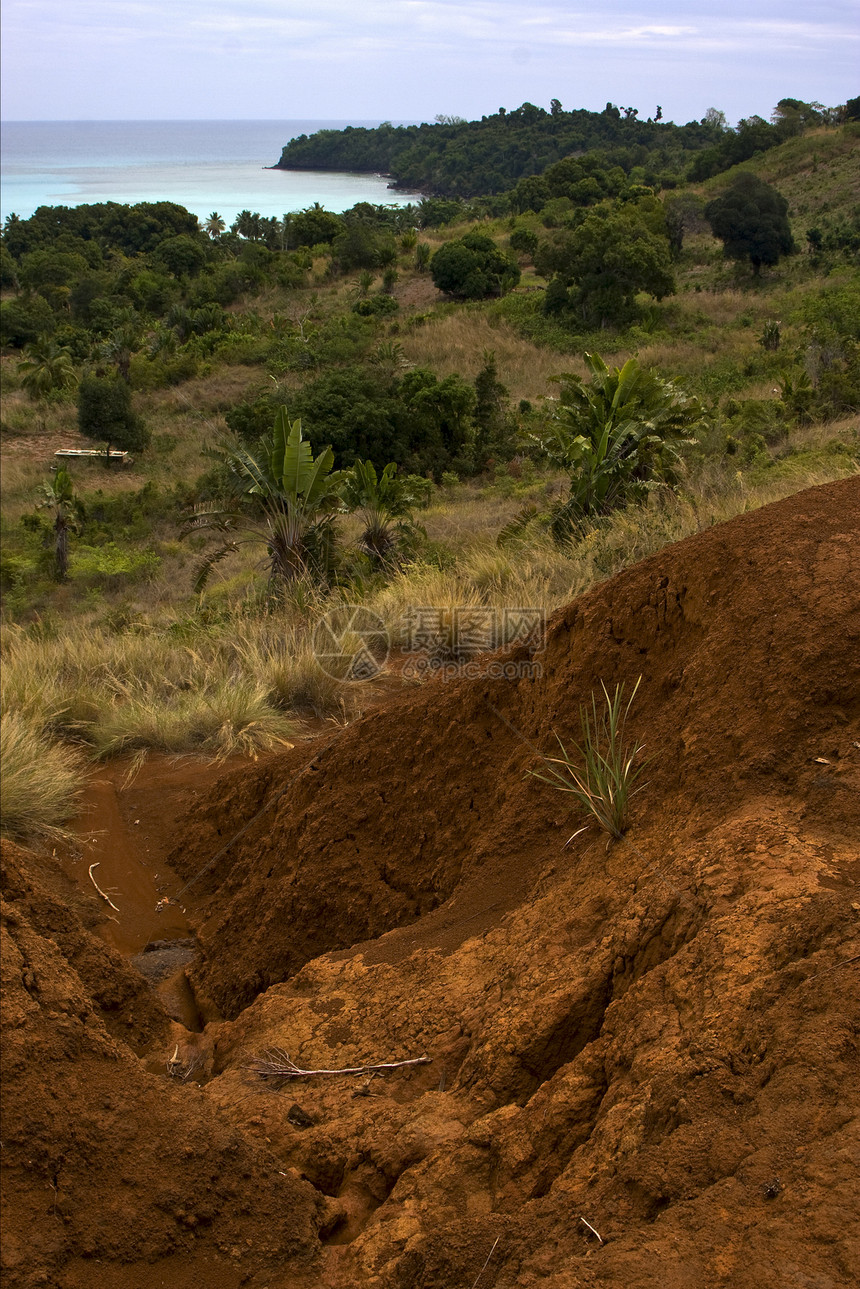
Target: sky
{"points": [[412, 59]]}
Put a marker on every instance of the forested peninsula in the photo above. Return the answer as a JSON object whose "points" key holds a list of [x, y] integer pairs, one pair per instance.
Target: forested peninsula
{"points": [[457, 158]]}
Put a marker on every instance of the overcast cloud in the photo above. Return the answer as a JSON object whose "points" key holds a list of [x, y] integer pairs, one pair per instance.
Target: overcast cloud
{"points": [[410, 59]]}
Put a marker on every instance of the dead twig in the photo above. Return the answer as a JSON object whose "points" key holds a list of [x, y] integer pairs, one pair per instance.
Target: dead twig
{"points": [[179, 1069], [843, 962], [592, 1230], [279, 1065], [487, 1263], [364, 1090], [99, 889]]}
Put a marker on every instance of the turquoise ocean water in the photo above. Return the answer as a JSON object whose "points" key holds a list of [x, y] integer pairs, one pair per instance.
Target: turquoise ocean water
{"points": [[202, 165]]}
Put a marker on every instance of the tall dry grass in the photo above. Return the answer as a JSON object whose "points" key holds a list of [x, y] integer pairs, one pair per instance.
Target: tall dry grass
{"points": [[240, 680], [41, 782], [457, 342], [234, 687], [536, 573]]}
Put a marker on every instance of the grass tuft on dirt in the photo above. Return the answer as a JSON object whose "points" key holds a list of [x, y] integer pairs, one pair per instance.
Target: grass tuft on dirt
{"points": [[41, 783]]}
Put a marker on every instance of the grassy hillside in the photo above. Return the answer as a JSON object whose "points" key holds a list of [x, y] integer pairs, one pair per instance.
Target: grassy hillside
{"points": [[817, 173], [124, 656]]}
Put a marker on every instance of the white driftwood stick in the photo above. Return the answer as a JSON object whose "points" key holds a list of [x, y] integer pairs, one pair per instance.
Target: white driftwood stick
{"points": [[99, 889], [279, 1065], [487, 1263], [592, 1230]]}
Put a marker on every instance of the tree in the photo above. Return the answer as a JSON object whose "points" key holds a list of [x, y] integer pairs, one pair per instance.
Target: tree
{"points": [[473, 267], [433, 212], [618, 435], [792, 116], [437, 419], [45, 268], [122, 342], [494, 432], [601, 265], [248, 224], [385, 504], [9, 280], [524, 240], [59, 495], [105, 414], [47, 367], [684, 213], [361, 246], [715, 119], [313, 226], [182, 256], [751, 220], [296, 497], [214, 225], [25, 319]]}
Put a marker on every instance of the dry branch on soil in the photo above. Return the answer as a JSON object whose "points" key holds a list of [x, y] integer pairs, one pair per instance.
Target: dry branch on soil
{"points": [[99, 889], [592, 1230], [279, 1065]]}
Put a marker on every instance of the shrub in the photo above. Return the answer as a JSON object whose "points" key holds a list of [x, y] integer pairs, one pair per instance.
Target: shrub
{"points": [[472, 268], [376, 306], [524, 240]]}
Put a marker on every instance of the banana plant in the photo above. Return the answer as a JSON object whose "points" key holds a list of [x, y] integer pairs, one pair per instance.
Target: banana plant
{"points": [[618, 435], [60, 498], [283, 496], [385, 504]]}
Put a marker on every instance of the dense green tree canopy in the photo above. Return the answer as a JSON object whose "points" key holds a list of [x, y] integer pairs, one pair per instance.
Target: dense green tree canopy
{"points": [[314, 226], [473, 267], [182, 256], [598, 267], [25, 319], [455, 158], [108, 225], [105, 414], [751, 220], [423, 424]]}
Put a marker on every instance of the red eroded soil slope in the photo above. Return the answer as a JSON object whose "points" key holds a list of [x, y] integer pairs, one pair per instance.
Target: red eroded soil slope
{"points": [[747, 642], [643, 1057]]}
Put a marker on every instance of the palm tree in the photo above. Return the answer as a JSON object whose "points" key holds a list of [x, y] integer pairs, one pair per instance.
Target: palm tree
{"points": [[47, 367], [385, 504], [60, 496], [248, 224], [214, 225], [297, 498]]}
